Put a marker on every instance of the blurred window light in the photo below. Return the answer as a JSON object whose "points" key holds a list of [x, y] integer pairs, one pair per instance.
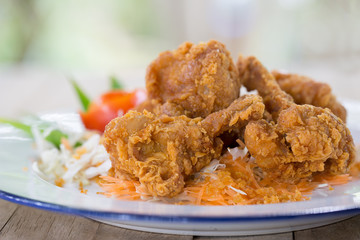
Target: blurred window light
{"points": [[292, 4], [231, 18]]}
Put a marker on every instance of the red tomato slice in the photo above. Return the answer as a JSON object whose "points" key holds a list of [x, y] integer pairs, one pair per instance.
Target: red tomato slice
{"points": [[109, 106]]}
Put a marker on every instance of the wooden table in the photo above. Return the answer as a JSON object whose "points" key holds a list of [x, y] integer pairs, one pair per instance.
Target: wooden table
{"points": [[25, 90], [21, 222]]}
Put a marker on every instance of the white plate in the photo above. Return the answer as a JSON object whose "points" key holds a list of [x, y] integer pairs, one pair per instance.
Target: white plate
{"points": [[25, 187]]}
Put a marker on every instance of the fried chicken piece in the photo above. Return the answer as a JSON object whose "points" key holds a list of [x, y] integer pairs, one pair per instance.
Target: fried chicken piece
{"points": [[161, 151], [194, 80], [255, 76], [305, 90], [304, 139], [148, 105], [154, 106]]}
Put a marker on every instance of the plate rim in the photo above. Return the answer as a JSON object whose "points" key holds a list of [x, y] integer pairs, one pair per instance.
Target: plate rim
{"points": [[162, 218]]}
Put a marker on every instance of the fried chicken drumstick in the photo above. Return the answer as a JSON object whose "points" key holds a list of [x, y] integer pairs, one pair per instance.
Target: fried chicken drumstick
{"points": [[161, 151], [193, 80], [304, 139], [304, 90]]}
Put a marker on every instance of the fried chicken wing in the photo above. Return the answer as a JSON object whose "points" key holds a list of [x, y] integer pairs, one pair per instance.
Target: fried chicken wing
{"points": [[161, 151], [305, 90], [255, 76], [194, 80], [304, 139]]}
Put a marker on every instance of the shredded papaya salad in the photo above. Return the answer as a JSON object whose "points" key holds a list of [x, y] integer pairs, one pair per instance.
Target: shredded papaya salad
{"points": [[76, 157], [67, 156]]}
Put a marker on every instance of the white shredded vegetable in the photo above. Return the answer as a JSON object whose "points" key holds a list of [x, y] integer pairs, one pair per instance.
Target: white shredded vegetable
{"points": [[213, 166], [237, 152], [73, 163], [237, 190], [323, 185]]}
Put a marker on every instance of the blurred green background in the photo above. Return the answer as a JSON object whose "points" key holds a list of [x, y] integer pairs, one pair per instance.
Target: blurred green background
{"points": [[112, 34], [43, 42]]}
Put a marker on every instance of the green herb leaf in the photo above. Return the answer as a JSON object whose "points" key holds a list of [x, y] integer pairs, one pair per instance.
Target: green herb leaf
{"points": [[18, 125], [115, 83], [55, 137], [78, 144], [85, 100]]}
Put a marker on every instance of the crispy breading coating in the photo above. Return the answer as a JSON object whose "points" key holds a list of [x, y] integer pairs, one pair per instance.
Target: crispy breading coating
{"points": [[255, 76], [161, 151], [305, 90], [304, 139], [194, 80]]}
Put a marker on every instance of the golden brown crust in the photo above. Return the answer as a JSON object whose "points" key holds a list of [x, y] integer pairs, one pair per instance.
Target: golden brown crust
{"points": [[305, 90], [201, 79], [303, 139], [161, 151], [236, 116], [254, 76], [155, 150], [149, 105]]}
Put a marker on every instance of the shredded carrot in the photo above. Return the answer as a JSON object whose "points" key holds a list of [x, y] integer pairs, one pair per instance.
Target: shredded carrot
{"points": [[122, 188], [239, 183], [333, 180], [65, 142], [81, 186], [84, 191], [96, 179], [59, 182], [79, 152], [200, 195], [98, 164]]}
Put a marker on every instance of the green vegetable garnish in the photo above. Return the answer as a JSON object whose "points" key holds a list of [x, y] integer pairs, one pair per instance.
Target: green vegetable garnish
{"points": [[18, 125], [55, 137], [78, 144], [85, 100], [115, 83]]}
